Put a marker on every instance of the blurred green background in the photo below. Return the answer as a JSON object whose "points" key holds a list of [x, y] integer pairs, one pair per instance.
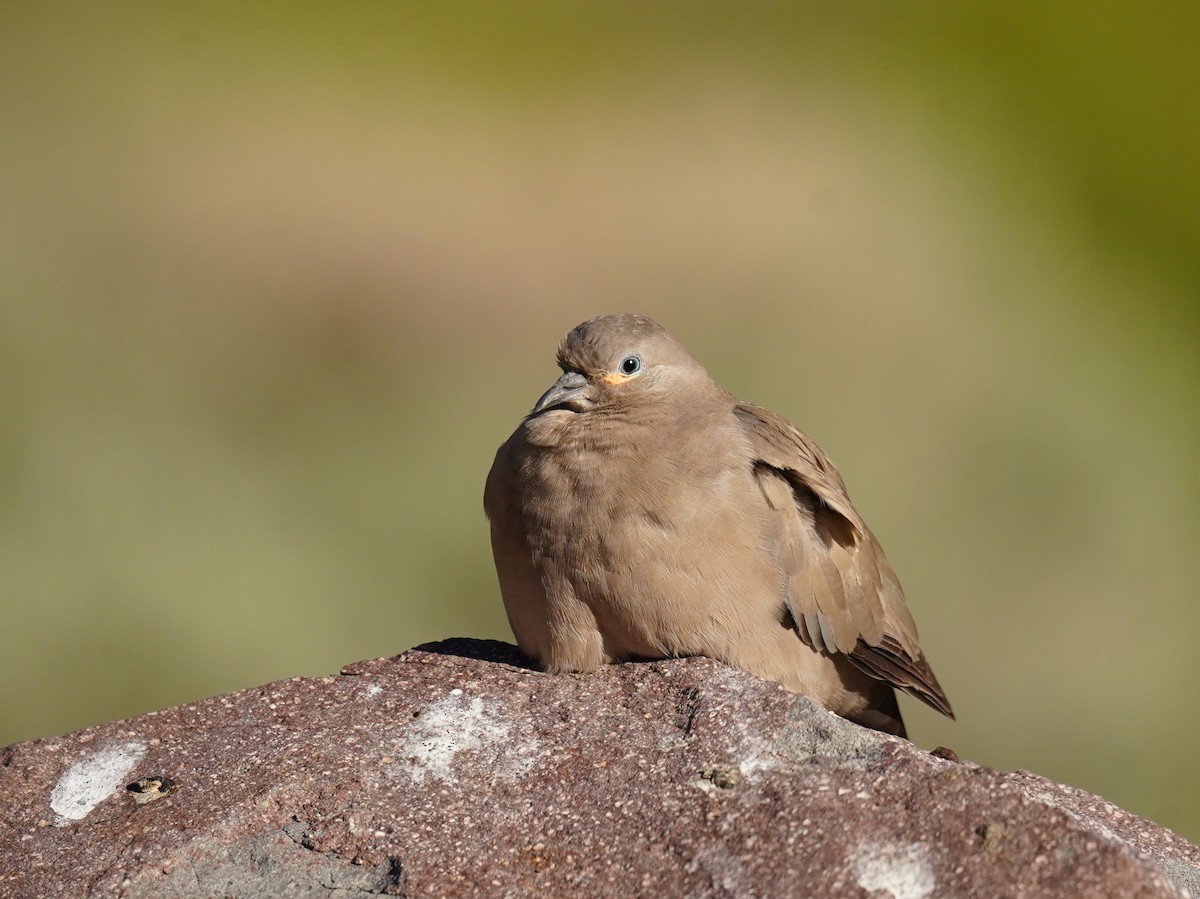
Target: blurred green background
{"points": [[277, 280]]}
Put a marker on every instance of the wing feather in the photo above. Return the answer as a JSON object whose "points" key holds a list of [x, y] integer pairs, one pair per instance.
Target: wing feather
{"points": [[840, 589]]}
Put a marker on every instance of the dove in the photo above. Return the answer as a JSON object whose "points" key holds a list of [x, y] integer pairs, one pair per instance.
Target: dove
{"points": [[641, 511]]}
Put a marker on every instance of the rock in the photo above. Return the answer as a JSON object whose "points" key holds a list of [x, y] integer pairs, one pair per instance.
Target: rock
{"points": [[456, 770]]}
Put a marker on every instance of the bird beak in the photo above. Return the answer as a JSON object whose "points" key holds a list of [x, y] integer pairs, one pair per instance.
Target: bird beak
{"points": [[568, 392]]}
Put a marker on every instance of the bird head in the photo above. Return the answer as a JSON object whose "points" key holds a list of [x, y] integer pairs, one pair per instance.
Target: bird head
{"points": [[617, 361]]}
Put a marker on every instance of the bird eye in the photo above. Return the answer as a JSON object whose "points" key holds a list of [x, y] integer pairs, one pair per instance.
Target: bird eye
{"points": [[631, 365]]}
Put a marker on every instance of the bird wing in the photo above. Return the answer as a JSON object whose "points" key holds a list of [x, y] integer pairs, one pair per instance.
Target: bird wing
{"points": [[840, 589]]}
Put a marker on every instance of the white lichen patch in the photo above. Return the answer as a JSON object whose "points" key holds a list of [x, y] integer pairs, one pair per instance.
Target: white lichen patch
{"points": [[91, 779], [901, 869], [459, 730], [759, 757]]}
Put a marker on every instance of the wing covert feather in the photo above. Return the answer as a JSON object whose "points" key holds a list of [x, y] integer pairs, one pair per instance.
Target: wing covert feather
{"points": [[842, 592]]}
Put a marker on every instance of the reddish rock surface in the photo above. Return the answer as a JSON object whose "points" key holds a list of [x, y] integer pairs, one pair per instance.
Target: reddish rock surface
{"points": [[454, 770]]}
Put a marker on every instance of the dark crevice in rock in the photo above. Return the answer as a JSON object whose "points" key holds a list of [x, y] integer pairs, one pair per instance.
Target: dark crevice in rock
{"points": [[687, 707]]}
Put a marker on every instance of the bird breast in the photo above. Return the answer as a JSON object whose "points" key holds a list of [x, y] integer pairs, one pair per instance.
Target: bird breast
{"points": [[648, 533]]}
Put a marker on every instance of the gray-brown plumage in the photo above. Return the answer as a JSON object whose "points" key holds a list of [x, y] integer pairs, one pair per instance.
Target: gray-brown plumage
{"points": [[641, 511]]}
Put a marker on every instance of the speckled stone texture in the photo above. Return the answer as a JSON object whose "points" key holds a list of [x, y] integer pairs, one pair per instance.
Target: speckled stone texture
{"points": [[455, 770]]}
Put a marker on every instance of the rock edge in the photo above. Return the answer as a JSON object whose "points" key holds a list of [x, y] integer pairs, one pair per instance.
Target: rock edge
{"points": [[455, 769]]}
